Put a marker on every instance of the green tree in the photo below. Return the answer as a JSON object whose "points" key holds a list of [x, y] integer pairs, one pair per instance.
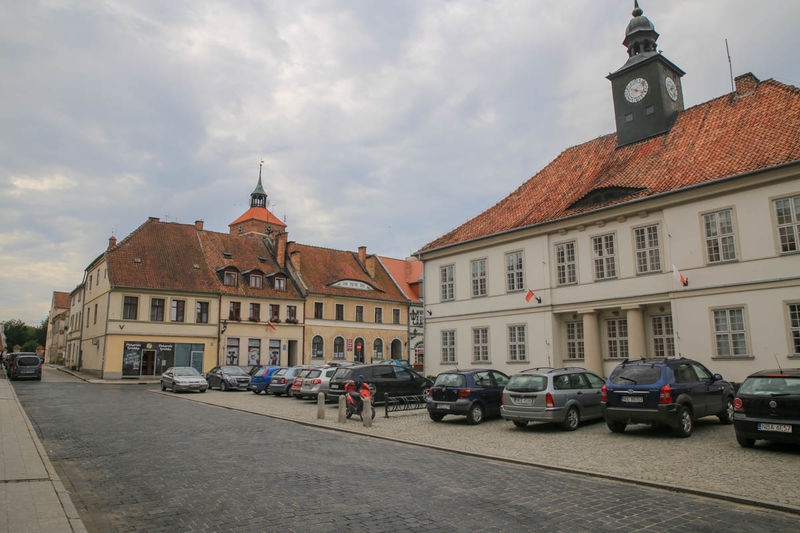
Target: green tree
{"points": [[30, 345], [41, 333], [16, 333]]}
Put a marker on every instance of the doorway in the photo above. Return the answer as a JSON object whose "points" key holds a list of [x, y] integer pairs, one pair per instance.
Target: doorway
{"points": [[358, 350], [148, 362], [397, 349], [292, 355]]}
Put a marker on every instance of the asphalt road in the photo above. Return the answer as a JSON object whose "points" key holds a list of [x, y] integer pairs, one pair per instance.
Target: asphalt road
{"points": [[138, 461]]}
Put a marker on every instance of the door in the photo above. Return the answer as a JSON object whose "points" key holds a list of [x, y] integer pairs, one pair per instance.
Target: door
{"points": [[593, 395], [358, 350], [686, 381], [292, 355], [397, 349], [500, 382], [714, 390], [148, 362], [197, 361]]}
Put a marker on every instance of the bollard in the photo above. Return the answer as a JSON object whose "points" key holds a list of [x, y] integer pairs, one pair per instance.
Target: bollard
{"points": [[366, 414], [321, 406], [342, 415]]}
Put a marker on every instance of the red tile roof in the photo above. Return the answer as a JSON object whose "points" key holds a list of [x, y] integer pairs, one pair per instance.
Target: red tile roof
{"points": [[407, 274], [60, 300], [322, 267], [721, 138], [259, 213]]}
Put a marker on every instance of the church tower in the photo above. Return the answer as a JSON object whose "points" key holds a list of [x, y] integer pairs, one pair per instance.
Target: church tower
{"points": [[647, 88], [257, 221]]}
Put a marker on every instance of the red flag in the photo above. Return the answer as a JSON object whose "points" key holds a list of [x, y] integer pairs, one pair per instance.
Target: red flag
{"points": [[270, 325], [679, 277], [529, 295]]}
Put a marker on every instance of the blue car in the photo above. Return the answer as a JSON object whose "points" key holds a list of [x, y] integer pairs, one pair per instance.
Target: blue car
{"points": [[475, 394], [261, 378]]}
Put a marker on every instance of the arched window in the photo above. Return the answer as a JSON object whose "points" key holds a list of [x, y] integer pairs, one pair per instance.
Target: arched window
{"points": [[317, 347], [338, 348], [358, 350], [377, 349], [397, 349]]}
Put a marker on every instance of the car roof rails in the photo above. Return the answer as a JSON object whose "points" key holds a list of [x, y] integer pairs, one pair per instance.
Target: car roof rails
{"points": [[568, 368], [538, 369]]}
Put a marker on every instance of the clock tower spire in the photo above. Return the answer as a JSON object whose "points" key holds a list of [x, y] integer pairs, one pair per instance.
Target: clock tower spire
{"points": [[647, 88]]}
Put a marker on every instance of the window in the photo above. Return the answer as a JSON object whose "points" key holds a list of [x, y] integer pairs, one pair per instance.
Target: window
{"points": [[280, 284], [317, 309], [234, 310], [338, 348], [514, 271], [787, 212], [378, 315], [480, 344], [516, 343], [479, 277], [663, 339], [648, 251], [605, 259], [232, 351], [566, 271], [794, 327], [130, 308], [274, 313], [178, 307], [95, 314], [291, 313], [202, 312], [617, 338], [449, 346], [720, 245], [395, 316], [256, 281], [359, 313], [253, 351], [230, 279], [157, 309], [317, 347], [575, 340], [90, 282], [339, 311], [377, 349], [729, 332], [88, 315], [446, 276], [255, 312]]}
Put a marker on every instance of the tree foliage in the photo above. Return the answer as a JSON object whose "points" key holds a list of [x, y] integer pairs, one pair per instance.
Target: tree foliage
{"points": [[29, 337]]}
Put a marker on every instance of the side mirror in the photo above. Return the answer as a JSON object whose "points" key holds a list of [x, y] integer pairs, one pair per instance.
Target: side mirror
{"points": [[717, 377]]}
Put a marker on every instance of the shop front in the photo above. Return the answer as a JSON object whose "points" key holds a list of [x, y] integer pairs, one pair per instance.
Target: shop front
{"points": [[143, 358]]}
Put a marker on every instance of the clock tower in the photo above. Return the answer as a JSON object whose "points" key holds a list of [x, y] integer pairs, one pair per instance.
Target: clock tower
{"points": [[647, 88]]}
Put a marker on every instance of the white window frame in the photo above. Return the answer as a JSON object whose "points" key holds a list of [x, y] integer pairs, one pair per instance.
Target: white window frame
{"points": [[230, 279], [719, 239], [604, 256], [617, 338], [575, 342], [359, 313], [515, 271], [647, 249], [321, 353], [256, 281], [480, 344], [517, 343], [377, 354], [447, 282], [448, 346], [478, 271], [728, 329], [663, 332], [566, 267], [788, 225], [339, 355], [793, 310]]}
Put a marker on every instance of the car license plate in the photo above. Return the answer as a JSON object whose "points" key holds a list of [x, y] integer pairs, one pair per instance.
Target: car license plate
{"points": [[443, 406], [523, 401], [780, 428], [633, 399]]}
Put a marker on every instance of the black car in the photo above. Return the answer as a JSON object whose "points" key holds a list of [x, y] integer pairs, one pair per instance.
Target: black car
{"points": [[664, 391], [24, 365], [228, 378], [767, 406], [393, 380], [475, 394]]}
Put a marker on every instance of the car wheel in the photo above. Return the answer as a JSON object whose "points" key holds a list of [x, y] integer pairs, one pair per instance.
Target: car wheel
{"points": [[163, 386], [521, 423], [203, 390], [255, 391], [744, 442], [572, 420], [726, 416], [436, 417], [277, 394], [223, 386], [475, 414], [616, 427], [174, 388], [685, 422]]}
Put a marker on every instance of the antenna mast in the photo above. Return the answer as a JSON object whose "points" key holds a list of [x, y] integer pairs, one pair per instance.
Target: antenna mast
{"points": [[730, 65]]}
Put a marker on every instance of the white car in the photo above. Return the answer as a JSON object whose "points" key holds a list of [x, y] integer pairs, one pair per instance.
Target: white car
{"points": [[184, 378]]}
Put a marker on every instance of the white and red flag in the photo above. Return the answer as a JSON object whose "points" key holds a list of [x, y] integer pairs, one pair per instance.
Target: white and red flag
{"points": [[270, 325], [679, 277], [532, 295]]}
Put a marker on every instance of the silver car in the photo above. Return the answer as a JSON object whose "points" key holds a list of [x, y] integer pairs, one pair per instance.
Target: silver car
{"points": [[318, 380], [183, 378], [560, 395]]}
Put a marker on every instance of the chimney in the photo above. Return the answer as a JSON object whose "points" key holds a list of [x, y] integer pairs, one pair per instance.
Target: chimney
{"points": [[371, 264], [112, 242], [297, 260], [198, 225], [280, 248], [362, 254], [746, 85]]}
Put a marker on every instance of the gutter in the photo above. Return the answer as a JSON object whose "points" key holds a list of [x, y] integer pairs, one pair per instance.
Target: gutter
{"points": [[105, 333]]}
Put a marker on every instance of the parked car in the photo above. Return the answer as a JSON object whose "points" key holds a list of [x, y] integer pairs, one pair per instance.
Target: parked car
{"points": [[392, 379], [297, 383], [767, 406], [400, 362], [24, 365], [228, 378], [183, 378], [475, 394], [663, 391], [282, 380], [317, 381], [563, 396], [261, 378]]}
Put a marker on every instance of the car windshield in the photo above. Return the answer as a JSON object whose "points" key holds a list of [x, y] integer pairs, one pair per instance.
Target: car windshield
{"points": [[450, 380], [313, 373], [344, 374], [27, 360], [635, 375], [280, 372], [234, 370], [188, 371], [527, 383], [770, 385], [305, 372]]}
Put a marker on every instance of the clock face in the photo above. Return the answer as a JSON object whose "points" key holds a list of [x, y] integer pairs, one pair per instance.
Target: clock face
{"points": [[672, 90], [636, 90]]}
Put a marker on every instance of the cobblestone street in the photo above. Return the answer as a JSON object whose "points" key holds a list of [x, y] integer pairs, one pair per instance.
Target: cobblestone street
{"points": [[141, 461]]}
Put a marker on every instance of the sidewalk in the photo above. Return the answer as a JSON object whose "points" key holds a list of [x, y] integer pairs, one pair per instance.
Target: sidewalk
{"points": [[32, 498], [89, 378]]}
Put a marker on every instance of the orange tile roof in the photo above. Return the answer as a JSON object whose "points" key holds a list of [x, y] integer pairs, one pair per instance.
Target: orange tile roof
{"points": [[724, 137], [259, 213], [405, 273], [322, 267], [60, 299]]}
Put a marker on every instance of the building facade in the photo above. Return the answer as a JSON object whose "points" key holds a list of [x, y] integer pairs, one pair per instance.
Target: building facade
{"points": [[56, 336]]}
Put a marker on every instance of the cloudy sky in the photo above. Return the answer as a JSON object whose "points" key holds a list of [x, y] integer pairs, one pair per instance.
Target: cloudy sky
{"points": [[381, 123]]}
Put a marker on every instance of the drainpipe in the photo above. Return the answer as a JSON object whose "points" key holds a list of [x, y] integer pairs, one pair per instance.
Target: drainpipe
{"points": [[219, 324], [105, 333], [80, 326]]}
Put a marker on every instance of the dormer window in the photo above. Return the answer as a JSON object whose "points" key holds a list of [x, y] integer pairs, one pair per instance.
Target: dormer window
{"points": [[256, 281], [353, 284], [280, 284], [227, 255], [230, 279]]}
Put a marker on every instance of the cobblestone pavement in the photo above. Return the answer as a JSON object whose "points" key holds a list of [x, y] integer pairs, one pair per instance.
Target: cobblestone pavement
{"points": [[142, 461]]}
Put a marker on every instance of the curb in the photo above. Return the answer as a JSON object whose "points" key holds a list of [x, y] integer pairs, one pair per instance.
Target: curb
{"points": [[99, 381], [71, 513], [652, 484]]}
